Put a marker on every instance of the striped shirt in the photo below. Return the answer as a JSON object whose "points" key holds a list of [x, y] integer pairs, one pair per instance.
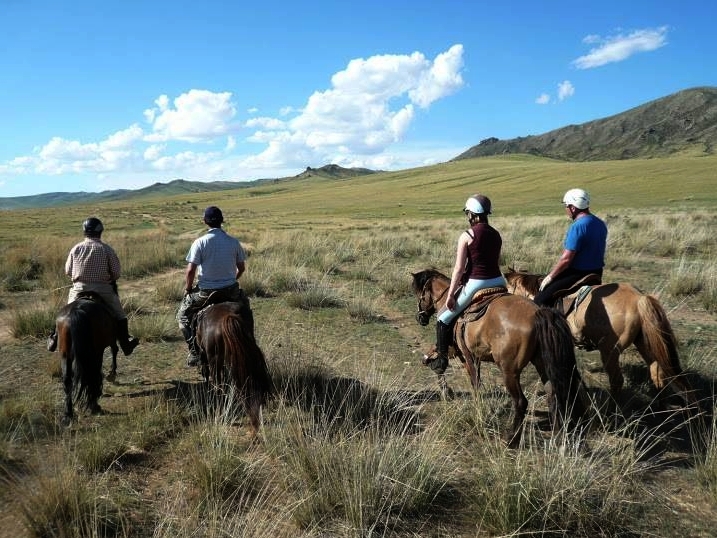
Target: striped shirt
{"points": [[92, 261]]}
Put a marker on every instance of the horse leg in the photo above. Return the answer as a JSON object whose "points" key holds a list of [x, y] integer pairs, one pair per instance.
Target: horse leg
{"points": [[520, 406], [445, 390], [610, 356], [112, 375], [67, 382]]}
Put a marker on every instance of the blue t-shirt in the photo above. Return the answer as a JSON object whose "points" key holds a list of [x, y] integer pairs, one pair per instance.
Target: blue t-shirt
{"points": [[587, 236], [217, 254]]}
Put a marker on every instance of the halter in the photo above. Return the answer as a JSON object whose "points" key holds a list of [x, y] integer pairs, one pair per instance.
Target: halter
{"points": [[433, 301]]}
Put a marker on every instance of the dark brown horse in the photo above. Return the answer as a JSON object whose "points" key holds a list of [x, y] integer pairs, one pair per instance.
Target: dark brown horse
{"points": [[512, 333], [611, 318], [84, 328], [232, 359]]}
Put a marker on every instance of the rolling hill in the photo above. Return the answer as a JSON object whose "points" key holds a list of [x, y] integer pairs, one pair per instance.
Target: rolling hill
{"points": [[177, 186], [682, 123]]}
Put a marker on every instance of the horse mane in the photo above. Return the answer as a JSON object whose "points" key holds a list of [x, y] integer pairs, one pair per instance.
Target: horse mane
{"points": [[420, 278]]}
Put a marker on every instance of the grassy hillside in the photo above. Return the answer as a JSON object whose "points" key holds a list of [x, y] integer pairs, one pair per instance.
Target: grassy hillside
{"points": [[681, 123], [517, 185]]}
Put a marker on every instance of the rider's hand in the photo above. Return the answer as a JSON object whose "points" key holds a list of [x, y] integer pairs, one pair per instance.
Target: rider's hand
{"points": [[547, 280], [451, 303]]}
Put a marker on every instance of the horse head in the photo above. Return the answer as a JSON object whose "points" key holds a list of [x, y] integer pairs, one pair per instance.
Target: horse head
{"points": [[522, 283], [423, 289]]}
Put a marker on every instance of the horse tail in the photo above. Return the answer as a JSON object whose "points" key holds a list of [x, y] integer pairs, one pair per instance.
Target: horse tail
{"points": [[657, 335], [657, 341], [247, 366], [558, 353], [87, 381]]}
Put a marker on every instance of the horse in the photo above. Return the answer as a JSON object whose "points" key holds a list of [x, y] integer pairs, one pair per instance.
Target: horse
{"points": [[612, 317], [84, 328], [232, 358], [512, 332]]}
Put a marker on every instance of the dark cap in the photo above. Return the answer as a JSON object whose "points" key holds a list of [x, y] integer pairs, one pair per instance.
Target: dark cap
{"points": [[213, 215]]}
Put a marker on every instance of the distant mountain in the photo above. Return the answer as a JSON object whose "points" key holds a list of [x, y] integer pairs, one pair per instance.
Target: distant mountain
{"points": [[335, 171], [177, 186], [679, 123]]}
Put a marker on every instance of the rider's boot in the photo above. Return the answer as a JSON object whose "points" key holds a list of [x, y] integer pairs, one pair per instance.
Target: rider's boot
{"points": [[193, 357], [438, 360], [126, 342]]}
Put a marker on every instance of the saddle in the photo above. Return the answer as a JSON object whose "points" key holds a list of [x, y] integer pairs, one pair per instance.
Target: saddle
{"points": [[568, 299], [91, 296], [480, 302]]}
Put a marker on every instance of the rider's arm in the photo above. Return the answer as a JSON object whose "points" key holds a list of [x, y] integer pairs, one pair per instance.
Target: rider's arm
{"points": [[241, 267], [566, 258], [189, 276], [459, 267]]}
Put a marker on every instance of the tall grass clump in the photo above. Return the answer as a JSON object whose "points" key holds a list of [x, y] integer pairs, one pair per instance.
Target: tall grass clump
{"points": [[684, 279], [149, 253], [33, 322], [131, 436], [315, 295], [547, 487], [706, 468], [224, 469], [709, 289], [364, 481], [68, 505]]}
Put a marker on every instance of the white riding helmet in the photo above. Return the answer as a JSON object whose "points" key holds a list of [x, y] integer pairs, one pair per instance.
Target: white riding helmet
{"points": [[578, 198], [478, 204]]}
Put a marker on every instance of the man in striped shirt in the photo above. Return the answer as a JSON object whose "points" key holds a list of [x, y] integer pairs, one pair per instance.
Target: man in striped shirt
{"points": [[218, 260], [94, 267]]}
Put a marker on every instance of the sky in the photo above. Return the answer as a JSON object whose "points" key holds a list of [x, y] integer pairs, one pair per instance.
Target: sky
{"points": [[101, 95]]}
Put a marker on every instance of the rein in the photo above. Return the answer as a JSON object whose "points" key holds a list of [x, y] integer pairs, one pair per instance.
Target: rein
{"points": [[433, 301]]}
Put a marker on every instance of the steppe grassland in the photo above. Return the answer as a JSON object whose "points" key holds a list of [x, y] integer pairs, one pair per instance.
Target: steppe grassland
{"points": [[350, 447]]}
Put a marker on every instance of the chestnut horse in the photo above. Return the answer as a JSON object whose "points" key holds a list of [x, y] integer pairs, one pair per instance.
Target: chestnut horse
{"points": [[232, 358], [84, 328], [611, 318], [513, 332]]}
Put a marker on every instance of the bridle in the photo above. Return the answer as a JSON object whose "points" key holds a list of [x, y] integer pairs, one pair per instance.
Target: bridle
{"points": [[424, 314]]}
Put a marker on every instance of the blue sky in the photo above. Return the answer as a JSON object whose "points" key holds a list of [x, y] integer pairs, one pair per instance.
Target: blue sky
{"points": [[123, 94]]}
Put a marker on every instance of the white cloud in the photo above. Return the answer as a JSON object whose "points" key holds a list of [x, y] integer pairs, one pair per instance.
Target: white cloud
{"points": [[565, 90], [542, 99], [361, 119], [620, 47], [197, 115], [265, 123]]}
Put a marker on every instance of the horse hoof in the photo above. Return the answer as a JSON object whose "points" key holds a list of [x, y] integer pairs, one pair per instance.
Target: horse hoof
{"points": [[66, 421], [96, 410], [112, 377]]}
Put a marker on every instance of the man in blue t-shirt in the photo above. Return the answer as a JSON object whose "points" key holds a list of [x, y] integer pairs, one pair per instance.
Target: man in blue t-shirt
{"points": [[217, 260], [584, 248]]}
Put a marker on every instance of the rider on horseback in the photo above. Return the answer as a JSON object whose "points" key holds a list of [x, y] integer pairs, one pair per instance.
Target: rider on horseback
{"points": [[476, 267], [584, 248], [94, 267], [219, 260]]}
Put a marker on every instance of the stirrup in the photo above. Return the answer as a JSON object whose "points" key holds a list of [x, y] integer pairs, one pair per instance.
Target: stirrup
{"points": [[438, 362]]}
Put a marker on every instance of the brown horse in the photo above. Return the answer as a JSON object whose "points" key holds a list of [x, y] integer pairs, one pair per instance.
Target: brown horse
{"points": [[611, 318], [84, 328], [512, 333], [232, 358]]}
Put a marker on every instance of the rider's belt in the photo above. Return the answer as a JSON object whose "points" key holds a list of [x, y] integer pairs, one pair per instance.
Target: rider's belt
{"points": [[227, 288]]}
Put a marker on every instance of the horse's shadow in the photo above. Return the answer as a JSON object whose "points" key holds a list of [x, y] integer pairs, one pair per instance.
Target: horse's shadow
{"points": [[663, 428]]}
